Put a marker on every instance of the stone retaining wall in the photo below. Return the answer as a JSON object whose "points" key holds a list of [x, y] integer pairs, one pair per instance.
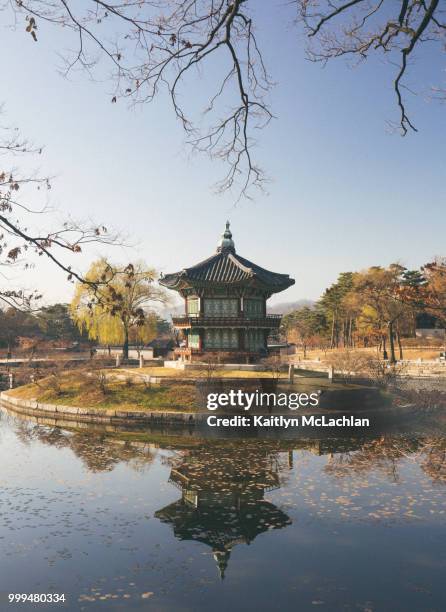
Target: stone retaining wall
{"points": [[415, 368], [96, 415], [243, 367]]}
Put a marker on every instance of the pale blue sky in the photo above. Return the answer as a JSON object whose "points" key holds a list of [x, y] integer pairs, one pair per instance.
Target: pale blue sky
{"points": [[345, 193]]}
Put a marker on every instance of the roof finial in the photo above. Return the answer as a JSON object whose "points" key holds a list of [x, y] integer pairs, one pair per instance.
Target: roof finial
{"points": [[226, 243]]}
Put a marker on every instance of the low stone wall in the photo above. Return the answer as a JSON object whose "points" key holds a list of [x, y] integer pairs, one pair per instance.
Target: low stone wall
{"points": [[235, 382], [96, 415], [134, 353], [135, 376], [411, 368], [242, 367]]}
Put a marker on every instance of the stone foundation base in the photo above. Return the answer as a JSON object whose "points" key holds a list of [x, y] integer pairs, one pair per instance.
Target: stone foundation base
{"points": [[198, 365], [217, 357]]}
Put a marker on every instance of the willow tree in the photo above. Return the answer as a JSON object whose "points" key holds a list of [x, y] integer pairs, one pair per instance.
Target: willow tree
{"points": [[115, 305]]}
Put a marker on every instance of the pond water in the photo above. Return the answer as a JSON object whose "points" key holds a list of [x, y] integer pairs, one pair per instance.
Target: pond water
{"points": [[158, 522]]}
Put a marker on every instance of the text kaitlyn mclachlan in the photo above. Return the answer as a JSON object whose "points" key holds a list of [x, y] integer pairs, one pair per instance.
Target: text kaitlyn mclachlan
{"points": [[285, 422]]}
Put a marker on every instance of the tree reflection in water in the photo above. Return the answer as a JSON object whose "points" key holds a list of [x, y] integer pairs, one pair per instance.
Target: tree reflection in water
{"points": [[223, 482], [98, 452], [235, 464], [100, 507], [223, 486], [384, 454]]}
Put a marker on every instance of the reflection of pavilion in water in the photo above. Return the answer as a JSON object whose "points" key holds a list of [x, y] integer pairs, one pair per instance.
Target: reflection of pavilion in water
{"points": [[222, 502]]}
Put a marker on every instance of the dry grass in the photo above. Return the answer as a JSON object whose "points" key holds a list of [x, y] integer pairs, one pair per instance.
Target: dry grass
{"points": [[76, 391], [195, 374], [87, 387], [27, 392]]}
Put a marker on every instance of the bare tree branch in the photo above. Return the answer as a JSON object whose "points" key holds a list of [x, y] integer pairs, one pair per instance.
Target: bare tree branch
{"points": [[165, 45], [18, 243], [161, 44], [395, 28]]}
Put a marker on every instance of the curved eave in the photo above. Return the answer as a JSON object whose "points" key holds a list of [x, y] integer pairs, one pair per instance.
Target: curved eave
{"points": [[173, 281], [227, 270], [289, 282]]}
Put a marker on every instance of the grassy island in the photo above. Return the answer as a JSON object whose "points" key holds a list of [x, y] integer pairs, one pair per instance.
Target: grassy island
{"points": [[166, 390], [77, 389]]}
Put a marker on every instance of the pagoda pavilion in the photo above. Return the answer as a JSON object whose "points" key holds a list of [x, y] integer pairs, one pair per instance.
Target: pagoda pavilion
{"points": [[225, 305]]}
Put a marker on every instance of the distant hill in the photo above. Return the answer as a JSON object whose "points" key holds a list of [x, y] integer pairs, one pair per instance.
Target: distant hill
{"points": [[286, 307]]}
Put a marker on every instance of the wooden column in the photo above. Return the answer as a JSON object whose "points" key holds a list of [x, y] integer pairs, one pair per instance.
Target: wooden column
{"points": [[242, 339], [200, 334]]}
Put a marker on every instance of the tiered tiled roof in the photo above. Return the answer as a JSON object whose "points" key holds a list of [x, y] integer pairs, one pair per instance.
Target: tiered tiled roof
{"points": [[227, 267]]}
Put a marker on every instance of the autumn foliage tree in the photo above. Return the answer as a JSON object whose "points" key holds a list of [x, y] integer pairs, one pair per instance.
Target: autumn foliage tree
{"points": [[372, 307], [115, 305], [378, 294], [433, 291], [305, 327]]}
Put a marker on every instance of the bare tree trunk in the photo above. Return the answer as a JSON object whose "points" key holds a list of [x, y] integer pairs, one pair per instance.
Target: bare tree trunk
{"points": [[400, 346], [125, 346], [392, 343], [333, 330]]}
